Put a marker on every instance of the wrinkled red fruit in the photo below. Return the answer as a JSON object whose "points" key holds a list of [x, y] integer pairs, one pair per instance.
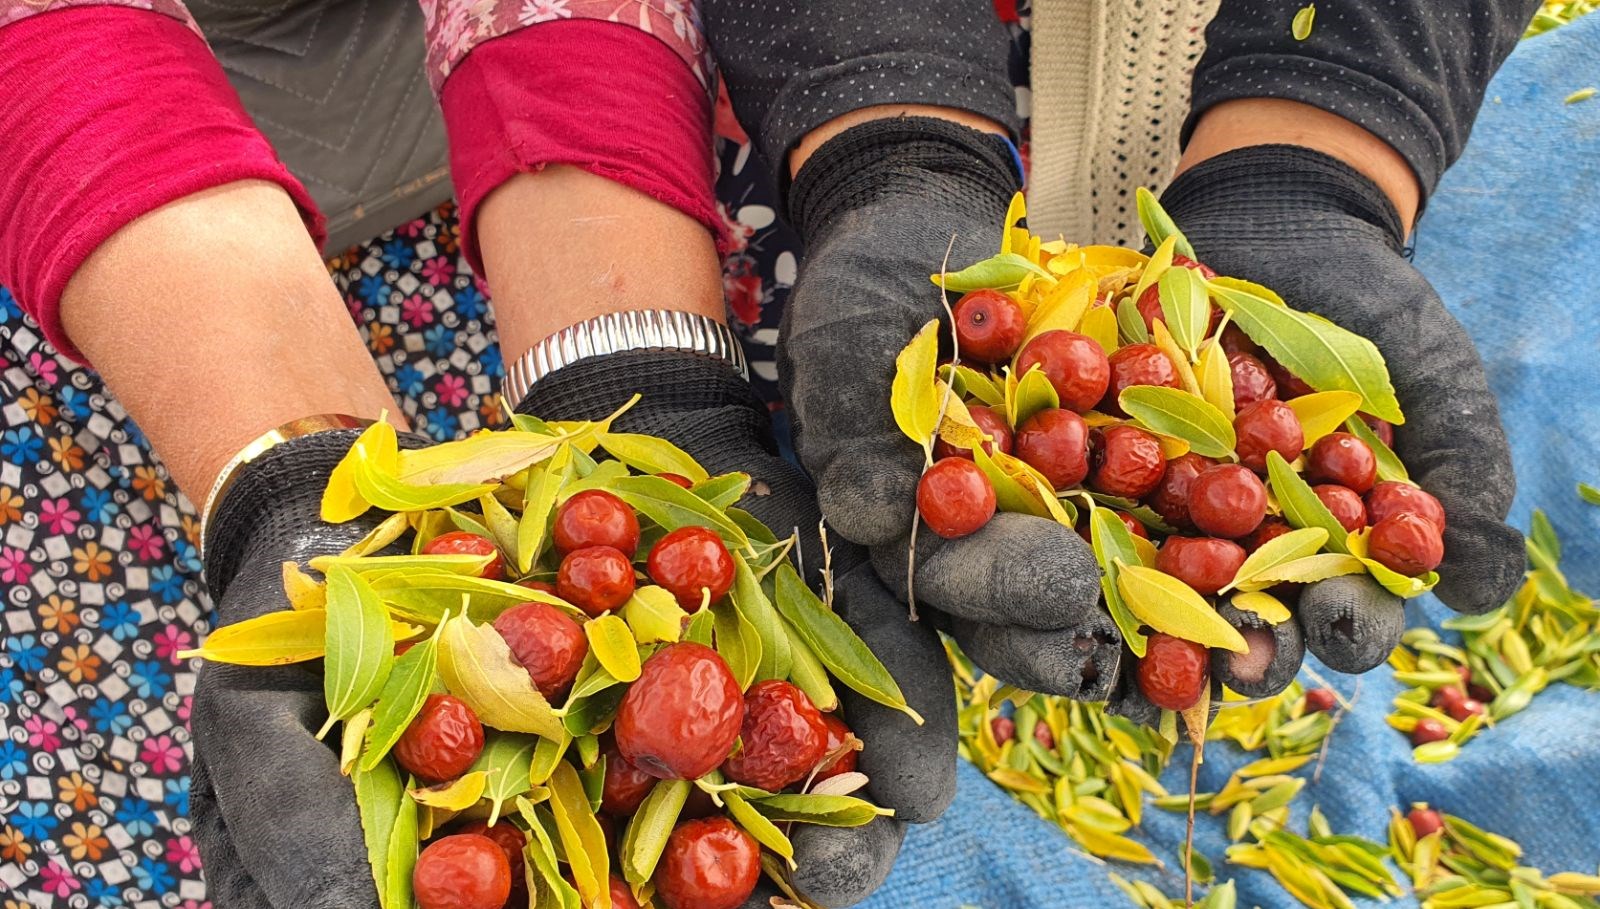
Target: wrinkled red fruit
{"points": [[442, 741], [783, 735], [1428, 730], [595, 517], [1340, 457], [1251, 381], [708, 864], [1004, 729], [680, 718], [1138, 364], [955, 498], [1183, 261], [511, 841], [1234, 340], [1392, 497], [1380, 428], [1289, 384], [1075, 364], [838, 734], [1344, 504], [595, 579], [459, 542], [544, 586], [1227, 501], [989, 326], [1271, 528], [1407, 543], [546, 642], [1461, 709], [1267, 426], [1424, 821], [677, 479], [690, 561], [625, 786], [1205, 563], [1321, 700], [1132, 523], [1125, 461], [1173, 672], [621, 895], [1171, 496], [465, 871], [1056, 442], [993, 425]]}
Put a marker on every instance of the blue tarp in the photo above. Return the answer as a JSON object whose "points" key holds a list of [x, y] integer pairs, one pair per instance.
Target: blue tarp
{"points": [[1511, 240]]}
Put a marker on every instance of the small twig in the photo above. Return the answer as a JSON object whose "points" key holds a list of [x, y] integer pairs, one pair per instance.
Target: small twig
{"points": [[1327, 740], [1188, 835], [827, 564], [927, 444]]}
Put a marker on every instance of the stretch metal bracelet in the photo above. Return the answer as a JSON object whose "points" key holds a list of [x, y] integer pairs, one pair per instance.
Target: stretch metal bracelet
{"points": [[650, 329], [293, 429]]}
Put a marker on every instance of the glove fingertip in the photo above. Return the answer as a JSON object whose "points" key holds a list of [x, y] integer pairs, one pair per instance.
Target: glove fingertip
{"points": [[1272, 660], [841, 866], [1351, 623], [868, 497], [1483, 567]]}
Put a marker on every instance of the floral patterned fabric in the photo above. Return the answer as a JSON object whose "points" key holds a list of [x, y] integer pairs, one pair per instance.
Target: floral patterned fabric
{"points": [[13, 10]]}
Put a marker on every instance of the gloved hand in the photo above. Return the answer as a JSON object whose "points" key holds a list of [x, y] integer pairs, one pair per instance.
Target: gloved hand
{"points": [[877, 206], [1327, 239], [275, 821], [705, 408]]}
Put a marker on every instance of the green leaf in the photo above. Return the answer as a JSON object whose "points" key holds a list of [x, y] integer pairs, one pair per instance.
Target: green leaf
{"points": [[1543, 535], [1285, 548], [1390, 466], [426, 596], [1185, 307], [1002, 272], [1130, 323], [672, 506], [654, 614], [722, 491], [1170, 606], [807, 672], [502, 526], [538, 502], [373, 567], [476, 665], [402, 856], [756, 609], [914, 395], [1172, 412], [612, 643], [541, 851], [836, 644], [378, 792], [1327, 357], [402, 696], [360, 649], [969, 382], [1034, 393], [648, 454], [824, 810], [737, 642], [647, 833], [1009, 494], [699, 628], [1158, 225], [1589, 493], [1300, 505], [506, 759], [1112, 544], [757, 825], [1301, 27], [1398, 584], [545, 755]]}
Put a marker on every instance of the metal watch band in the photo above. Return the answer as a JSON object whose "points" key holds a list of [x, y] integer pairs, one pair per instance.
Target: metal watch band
{"points": [[650, 329]]}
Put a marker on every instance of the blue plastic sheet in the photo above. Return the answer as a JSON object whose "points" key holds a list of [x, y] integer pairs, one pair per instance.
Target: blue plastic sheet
{"points": [[1511, 240]]}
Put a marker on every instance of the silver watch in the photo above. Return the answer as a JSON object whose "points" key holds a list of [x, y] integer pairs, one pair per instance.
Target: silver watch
{"points": [[648, 329]]}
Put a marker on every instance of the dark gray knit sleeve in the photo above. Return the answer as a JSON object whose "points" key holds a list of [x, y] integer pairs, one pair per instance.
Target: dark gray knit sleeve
{"points": [[1412, 72], [792, 65]]}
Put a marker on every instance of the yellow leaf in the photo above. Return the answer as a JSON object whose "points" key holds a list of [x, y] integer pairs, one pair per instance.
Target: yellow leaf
{"points": [[272, 639], [1160, 261], [1100, 323], [351, 737], [304, 591], [1063, 306], [1010, 494], [1170, 606], [1268, 607], [1145, 549], [1216, 379], [1017, 781], [1051, 504], [975, 384], [648, 454], [1301, 27], [654, 615], [1033, 393], [476, 666], [914, 396], [1112, 846], [582, 840], [612, 644], [484, 458], [1015, 212], [457, 795], [1306, 570], [1323, 412], [1163, 339], [1105, 259], [1282, 549], [378, 537]]}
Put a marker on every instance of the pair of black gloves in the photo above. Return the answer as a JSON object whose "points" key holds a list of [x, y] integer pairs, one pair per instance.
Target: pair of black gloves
{"points": [[277, 824]]}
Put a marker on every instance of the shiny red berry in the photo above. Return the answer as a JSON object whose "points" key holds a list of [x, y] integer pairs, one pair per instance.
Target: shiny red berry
{"points": [[1227, 501], [1289, 384], [622, 894], [838, 734], [459, 542], [1425, 821], [955, 498], [1344, 504], [690, 561], [677, 479], [1206, 564], [708, 864], [511, 841], [783, 737], [1383, 430], [1004, 729], [1321, 700], [1406, 543], [1171, 496], [993, 425], [543, 586], [1267, 426], [1251, 381], [443, 740], [1464, 708], [1428, 730], [595, 517], [1342, 458], [1173, 672], [1392, 497], [624, 787], [1149, 307], [1234, 340], [546, 642], [1138, 364], [1055, 441], [1183, 261], [1075, 364], [1132, 523], [595, 579], [1448, 698], [1125, 461], [465, 871], [682, 715], [1271, 528], [989, 326]]}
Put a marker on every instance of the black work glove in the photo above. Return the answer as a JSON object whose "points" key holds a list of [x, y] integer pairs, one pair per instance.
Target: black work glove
{"points": [[275, 821], [704, 407], [1328, 240], [877, 206]]}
